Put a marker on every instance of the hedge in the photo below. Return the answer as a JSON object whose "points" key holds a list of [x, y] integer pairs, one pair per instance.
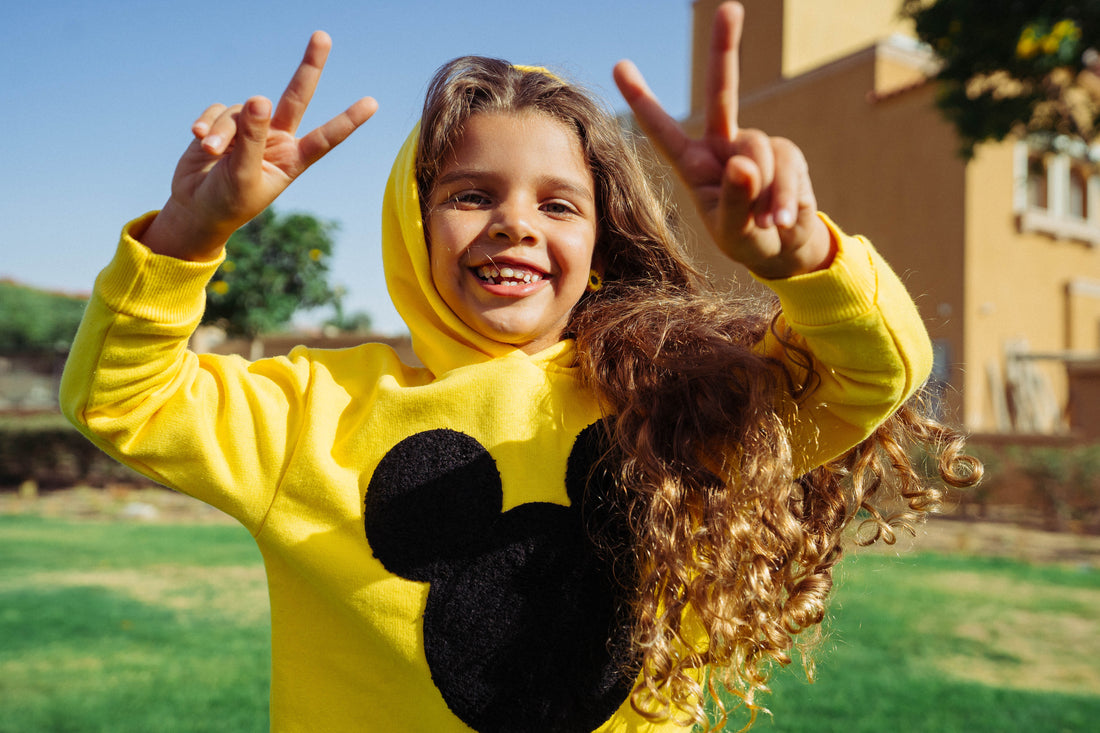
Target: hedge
{"points": [[1057, 483], [46, 449]]}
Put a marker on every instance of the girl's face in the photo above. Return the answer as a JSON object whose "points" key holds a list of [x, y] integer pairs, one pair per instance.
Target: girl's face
{"points": [[512, 227]]}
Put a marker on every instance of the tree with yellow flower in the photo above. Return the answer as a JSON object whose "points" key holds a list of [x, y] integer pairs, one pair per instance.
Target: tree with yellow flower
{"points": [[275, 265], [1014, 66]]}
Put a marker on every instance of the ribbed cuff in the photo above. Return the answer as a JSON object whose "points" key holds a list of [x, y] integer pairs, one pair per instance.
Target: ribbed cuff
{"points": [[847, 289], [152, 287]]}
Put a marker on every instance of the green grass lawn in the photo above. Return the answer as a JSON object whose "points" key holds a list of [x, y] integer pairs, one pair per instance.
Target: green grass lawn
{"points": [[128, 627], [948, 643], [115, 626]]}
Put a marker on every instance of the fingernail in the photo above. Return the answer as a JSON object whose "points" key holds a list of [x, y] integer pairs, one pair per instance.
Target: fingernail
{"points": [[784, 218], [212, 143]]}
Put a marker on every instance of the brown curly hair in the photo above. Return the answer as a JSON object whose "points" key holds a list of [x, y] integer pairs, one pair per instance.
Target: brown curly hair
{"points": [[732, 543]]}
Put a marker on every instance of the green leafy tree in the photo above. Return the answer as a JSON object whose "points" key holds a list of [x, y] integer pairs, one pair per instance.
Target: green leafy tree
{"points": [[275, 265], [355, 322], [36, 322], [1014, 65]]}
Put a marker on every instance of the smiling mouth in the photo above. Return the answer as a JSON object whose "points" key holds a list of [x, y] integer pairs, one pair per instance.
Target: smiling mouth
{"points": [[507, 275]]}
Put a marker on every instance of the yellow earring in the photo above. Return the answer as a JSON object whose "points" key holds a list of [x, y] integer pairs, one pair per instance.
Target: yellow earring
{"points": [[595, 282]]}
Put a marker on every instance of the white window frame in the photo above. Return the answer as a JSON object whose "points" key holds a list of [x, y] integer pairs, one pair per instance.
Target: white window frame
{"points": [[1056, 220]]}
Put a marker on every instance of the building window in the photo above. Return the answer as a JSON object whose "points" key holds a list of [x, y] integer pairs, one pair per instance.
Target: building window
{"points": [[1036, 182], [1078, 192], [1058, 190]]}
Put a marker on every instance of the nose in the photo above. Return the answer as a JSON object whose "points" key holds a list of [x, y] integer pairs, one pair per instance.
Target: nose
{"points": [[512, 223]]}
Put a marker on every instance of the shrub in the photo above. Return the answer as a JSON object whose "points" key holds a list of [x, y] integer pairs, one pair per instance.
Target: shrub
{"points": [[35, 321], [1059, 483], [45, 449]]}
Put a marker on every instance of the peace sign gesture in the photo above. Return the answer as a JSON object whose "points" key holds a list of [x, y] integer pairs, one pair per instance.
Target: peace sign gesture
{"points": [[242, 158], [753, 191]]}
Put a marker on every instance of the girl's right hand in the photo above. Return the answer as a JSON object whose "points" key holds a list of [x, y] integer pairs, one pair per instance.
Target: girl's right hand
{"points": [[242, 158]]}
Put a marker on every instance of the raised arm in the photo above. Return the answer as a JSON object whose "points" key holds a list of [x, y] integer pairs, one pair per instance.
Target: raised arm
{"points": [[242, 158], [218, 428], [840, 300], [753, 190]]}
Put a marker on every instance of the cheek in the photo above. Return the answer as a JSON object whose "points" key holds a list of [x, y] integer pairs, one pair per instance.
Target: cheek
{"points": [[444, 245], [453, 231], [582, 257]]}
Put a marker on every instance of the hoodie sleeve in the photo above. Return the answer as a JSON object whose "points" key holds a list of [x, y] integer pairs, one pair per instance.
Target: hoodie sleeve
{"points": [[870, 348], [218, 428]]}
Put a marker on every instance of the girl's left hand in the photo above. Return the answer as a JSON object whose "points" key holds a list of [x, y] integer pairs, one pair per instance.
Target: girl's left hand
{"points": [[752, 190]]}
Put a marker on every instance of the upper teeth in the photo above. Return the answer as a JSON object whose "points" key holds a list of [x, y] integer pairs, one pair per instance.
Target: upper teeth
{"points": [[510, 275]]}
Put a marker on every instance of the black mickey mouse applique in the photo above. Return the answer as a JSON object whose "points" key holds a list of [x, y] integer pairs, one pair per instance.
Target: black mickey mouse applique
{"points": [[526, 626]]}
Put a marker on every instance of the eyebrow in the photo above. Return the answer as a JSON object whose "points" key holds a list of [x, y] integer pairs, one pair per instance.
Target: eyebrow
{"points": [[473, 175]]}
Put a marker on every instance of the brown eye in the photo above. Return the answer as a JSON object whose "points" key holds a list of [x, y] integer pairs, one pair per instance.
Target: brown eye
{"points": [[469, 200], [559, 208]]}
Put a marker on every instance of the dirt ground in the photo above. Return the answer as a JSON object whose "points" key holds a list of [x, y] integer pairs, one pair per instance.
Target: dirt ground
{"points": [[941, 534], [1001, 539], [117, 503]]}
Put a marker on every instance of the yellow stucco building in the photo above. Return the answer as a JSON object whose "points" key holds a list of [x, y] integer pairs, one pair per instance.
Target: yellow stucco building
{"points": [[1001, 252]]}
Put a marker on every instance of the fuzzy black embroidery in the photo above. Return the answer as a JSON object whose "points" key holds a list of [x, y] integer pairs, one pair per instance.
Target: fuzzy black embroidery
{"points": [[525, 627]]}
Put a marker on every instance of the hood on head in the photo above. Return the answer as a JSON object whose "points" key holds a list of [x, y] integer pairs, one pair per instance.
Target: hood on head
{"points": [[441, 340]]}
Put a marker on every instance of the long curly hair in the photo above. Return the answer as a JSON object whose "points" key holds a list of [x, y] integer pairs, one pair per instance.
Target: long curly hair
{"points": [[732, 543]]}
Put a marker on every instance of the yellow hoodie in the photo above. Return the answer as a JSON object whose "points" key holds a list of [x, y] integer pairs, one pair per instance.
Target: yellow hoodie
{"points": [[420, 527]]}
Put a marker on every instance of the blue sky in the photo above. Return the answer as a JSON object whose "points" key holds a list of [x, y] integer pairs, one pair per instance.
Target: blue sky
{"points": [[98, 98]]}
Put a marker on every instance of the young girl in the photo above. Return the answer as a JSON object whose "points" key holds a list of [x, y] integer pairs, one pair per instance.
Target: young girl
{"points": [[608, 492]]}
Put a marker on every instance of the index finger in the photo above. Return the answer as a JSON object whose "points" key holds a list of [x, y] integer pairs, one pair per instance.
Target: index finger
{"points": [[292, 105], [724, 72], [658, 125]]}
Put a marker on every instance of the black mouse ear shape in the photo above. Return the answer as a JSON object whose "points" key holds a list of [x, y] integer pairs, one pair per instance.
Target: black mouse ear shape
{"points": [[587, 477], [430, 502], [591, 485]]}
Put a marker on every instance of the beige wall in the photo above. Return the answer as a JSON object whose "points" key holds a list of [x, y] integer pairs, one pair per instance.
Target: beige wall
{"points": [[1083, 313], [761, 46], [817, 32], [785, 38]]}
